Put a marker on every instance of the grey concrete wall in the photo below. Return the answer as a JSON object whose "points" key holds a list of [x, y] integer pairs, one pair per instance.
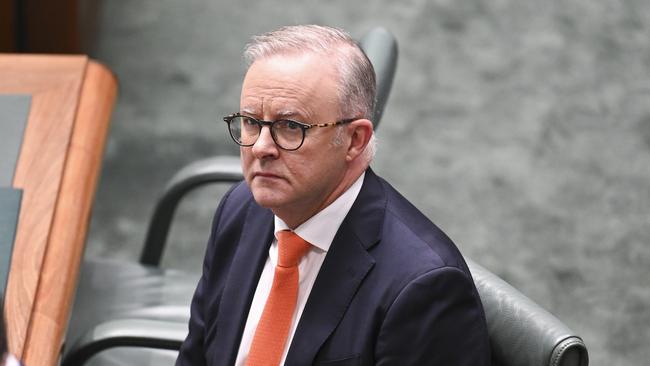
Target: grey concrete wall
{"points": [[522, 128]]}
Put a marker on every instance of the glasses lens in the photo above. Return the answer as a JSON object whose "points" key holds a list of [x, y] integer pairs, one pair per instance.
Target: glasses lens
{"points": [[288, 134], [244, 130]]}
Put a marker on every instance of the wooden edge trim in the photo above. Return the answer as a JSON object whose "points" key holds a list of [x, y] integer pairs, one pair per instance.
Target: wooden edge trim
{"points": [[60, 269], [49, 80]]}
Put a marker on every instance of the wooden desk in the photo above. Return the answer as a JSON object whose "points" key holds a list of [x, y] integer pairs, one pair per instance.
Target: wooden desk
{"points": [[58, 168]]}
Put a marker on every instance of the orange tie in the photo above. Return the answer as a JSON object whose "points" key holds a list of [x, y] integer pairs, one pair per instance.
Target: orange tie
{"points": [[273, 329]]}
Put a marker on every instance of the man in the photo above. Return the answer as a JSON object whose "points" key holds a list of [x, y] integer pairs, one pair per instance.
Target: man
{"points": [[354, 275]]}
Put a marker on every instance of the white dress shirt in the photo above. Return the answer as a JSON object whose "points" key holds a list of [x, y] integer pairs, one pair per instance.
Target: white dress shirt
{"points": [[319, 231], [10, 360]]}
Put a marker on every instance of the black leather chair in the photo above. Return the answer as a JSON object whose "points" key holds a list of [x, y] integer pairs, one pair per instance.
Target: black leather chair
{"points": [[147, 306], [521, 331]]}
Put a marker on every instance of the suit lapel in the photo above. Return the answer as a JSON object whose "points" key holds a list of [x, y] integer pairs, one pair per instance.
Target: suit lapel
{"points": [[245, 271], [346, 265]]}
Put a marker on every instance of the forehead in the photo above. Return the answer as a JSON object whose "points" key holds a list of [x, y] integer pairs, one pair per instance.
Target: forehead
{"points": [[304, 85]]}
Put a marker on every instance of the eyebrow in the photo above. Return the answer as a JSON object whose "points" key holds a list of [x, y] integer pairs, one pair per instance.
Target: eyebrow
{"points": [[248, 111], [287, 114]]}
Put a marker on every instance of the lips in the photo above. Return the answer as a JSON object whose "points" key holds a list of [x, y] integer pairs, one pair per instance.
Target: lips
{"points": [[266, 175]]}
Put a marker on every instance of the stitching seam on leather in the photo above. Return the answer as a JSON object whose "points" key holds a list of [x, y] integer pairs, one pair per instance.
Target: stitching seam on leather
{"points": [[557, 356]]}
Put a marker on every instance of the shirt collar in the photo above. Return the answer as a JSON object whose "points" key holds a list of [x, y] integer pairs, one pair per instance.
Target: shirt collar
{"points": [[320, 229]]}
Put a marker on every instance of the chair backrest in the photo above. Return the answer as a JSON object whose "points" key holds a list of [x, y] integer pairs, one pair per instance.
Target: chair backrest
{"points": [[381, 48], [521, 332]]}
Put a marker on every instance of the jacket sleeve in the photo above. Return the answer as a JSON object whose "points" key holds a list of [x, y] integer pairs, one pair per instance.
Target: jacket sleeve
{"points": [[192, 350], [437, 319]]}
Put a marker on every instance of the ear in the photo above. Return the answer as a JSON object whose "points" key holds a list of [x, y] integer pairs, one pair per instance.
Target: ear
{"points": [[361, 133]]}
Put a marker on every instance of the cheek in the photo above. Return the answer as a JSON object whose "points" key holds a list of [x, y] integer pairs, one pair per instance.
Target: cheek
{"points": [[246, 161], [318, 170], [297, 166], [244, 156]]}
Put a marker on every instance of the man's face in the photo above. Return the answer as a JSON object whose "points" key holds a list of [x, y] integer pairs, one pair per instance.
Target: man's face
{"points": [[294, 184]]}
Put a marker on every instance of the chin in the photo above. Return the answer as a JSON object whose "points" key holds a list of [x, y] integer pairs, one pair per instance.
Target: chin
{"points": [[266, 199]]}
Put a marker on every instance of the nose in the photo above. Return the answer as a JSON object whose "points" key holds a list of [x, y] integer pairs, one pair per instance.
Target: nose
{"points": [[265, 146]]}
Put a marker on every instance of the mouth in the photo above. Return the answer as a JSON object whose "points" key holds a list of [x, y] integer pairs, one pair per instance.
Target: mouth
{"points": [[266, 175]]}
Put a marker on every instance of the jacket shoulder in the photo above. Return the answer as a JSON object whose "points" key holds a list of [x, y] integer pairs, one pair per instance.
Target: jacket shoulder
{"points": [[406, 229]]}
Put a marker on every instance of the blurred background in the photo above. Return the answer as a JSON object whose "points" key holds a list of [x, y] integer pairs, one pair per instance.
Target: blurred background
{"points": [[521, 127]]}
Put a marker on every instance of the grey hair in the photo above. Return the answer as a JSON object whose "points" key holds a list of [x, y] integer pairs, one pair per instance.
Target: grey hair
{"points": [[357, 84]]}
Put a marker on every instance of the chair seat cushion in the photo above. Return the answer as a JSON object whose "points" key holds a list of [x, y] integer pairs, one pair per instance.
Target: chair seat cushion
{"points": [[109, 290]]}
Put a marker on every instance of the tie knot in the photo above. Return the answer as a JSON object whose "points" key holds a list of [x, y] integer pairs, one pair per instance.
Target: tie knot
{"points": [[291, 248]]}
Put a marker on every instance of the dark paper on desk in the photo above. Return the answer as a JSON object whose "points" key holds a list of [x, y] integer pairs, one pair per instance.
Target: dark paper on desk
{"points": [[14, 110], [9, 210]]}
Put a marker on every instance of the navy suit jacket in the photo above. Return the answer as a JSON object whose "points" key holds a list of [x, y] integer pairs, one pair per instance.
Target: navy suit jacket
{"points": [[393, 289]]}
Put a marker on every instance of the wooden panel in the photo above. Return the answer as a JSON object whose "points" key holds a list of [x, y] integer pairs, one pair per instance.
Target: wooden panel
{"points": [[60, 268], [57, 170], [62, 26], [34, 74], [50, 26], [7, 25], [55, 86]]}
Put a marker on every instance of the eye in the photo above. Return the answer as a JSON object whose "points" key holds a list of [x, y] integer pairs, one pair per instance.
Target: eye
{"points": [[291, 125], [248, 121]]}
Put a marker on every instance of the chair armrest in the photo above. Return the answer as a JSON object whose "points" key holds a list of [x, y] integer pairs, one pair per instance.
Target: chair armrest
{"points": [[126, 333], [521, 332], [220, 169]]}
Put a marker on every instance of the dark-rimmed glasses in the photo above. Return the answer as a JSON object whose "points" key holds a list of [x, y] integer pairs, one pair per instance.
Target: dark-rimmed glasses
{"points": [[287, 134]]}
